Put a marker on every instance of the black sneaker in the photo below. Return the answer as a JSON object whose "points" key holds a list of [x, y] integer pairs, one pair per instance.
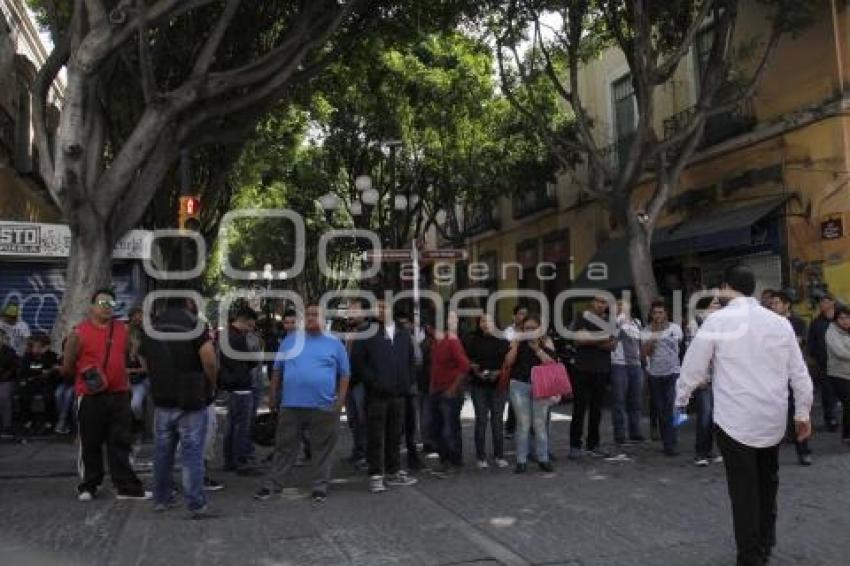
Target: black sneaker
{"points": [[212, 485], [546, 467], [805, 460], [521, 468], [319, 496]]}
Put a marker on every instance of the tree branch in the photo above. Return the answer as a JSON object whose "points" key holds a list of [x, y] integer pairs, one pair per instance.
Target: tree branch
{"points": [[207, 55], [264, 94], [667, 67], [316, 31], [41, 89], [148, 74], [127, 212]]}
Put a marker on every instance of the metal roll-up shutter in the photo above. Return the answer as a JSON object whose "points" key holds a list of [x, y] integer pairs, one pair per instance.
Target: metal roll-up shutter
{"points": [[38, 288], [768, 271]]}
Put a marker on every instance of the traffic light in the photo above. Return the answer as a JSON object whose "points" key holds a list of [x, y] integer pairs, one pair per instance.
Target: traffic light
{"points": [[189, 216]]}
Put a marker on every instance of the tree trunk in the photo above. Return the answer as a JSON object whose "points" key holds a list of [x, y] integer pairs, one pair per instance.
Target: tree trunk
{"points": [[640, 258], [89, 268]]}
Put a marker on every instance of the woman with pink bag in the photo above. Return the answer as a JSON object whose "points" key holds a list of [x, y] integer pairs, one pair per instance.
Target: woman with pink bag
{"points": [[530, 349]]}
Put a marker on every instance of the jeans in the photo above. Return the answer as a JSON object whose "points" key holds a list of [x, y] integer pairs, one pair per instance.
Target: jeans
{"points": [[212, 429], [189, 429], [64, 406], [137, 399], [257, 390], [445, 427], [489, 405], [323, 426], [528, 411], [841, 387], [7, 390], [237, 434], [752, 477], [105, 419], [355, 412], [627, 393], [704, 399], [664, 392], [588, 394], [828, 397], [411, 424], [384, 418]]}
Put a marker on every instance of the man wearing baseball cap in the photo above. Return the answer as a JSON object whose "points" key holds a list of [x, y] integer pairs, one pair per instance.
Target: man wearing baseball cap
{"points": [[15, 328]]}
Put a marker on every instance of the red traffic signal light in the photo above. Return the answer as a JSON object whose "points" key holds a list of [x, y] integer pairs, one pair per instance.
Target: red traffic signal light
{"points": [[189, 215]]}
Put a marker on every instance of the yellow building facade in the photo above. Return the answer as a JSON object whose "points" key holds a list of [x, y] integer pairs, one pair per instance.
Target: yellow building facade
{"points": [[769, 185]]}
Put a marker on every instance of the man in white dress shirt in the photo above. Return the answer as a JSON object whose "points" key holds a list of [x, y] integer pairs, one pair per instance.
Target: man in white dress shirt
{"points": [[756, 356]]}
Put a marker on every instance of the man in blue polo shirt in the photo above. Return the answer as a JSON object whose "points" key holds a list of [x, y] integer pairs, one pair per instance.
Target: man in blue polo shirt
{"points": [[313, 370]]}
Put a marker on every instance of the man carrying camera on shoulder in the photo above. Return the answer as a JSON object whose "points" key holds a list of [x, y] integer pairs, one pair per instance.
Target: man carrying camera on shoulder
{"points": [[94, 354]]}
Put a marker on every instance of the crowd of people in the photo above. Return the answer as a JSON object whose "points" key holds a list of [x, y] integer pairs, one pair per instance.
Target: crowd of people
{"points": [[403, 389]]}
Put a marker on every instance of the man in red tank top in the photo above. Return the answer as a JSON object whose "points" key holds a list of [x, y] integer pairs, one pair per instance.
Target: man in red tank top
{"points": [[95, 353]]}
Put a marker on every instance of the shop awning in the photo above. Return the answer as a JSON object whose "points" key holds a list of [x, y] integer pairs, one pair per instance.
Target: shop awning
{"points": [[727, 226]]}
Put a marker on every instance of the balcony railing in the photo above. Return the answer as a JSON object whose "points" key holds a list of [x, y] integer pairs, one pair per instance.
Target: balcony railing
{"points": [[532, 201], [617, 153], [7, 131], [481, 220], [740, 120]]}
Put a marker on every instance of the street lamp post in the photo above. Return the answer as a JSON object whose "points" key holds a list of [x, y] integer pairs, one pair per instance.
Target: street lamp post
{"points": [[268, 276]]}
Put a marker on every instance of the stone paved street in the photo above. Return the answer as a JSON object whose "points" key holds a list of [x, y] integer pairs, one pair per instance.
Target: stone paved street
{"points": [[644, 511]]}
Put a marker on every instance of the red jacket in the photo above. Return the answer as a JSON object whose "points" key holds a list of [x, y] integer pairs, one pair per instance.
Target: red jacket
{"points": [[448, 361]]}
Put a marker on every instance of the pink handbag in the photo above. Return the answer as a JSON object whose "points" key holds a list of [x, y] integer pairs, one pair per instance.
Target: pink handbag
{"points": [[550, 380]]}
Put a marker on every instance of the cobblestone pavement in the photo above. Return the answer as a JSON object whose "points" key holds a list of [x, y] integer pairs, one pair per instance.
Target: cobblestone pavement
{"points": [[645, 509]]}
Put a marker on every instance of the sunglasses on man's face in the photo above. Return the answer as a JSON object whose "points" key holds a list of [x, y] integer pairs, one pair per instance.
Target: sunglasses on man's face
{"points": [[105, 303]]}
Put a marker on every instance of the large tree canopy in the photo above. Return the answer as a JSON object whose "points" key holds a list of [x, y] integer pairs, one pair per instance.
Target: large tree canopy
{"points": [[458, 146], [149, 78], [655, 38]]}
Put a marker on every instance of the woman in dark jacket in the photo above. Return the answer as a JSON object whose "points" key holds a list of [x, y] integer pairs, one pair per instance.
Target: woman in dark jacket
{"points": [[531, 349], [486, 354]]}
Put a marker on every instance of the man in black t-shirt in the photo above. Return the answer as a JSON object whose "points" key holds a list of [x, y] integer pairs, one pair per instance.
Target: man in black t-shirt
{"points": [[182, 373], [781, 305], [592, 370]]}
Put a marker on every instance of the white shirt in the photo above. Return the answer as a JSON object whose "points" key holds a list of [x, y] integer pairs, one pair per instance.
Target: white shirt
{"points": [[18, 334], [390, 330], [755, 355]]}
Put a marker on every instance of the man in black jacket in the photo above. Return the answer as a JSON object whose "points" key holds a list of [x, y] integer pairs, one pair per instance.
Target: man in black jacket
{"points": [[816, 343], [182, 375], [236, 378], [385, 364]]}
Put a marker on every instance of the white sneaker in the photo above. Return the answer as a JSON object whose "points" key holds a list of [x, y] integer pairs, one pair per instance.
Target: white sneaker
{"points": [[376, 484], [482, 464], [85, 496], [701, 462], [502, 463], [401, 479], [128, 497], [718, 459]]}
